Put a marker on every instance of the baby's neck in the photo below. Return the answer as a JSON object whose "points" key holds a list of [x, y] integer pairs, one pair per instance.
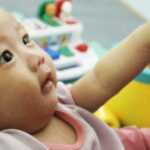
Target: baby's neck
{"points": [[57, 131]]}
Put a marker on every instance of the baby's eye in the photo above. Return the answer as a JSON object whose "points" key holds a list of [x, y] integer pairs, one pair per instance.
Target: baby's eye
{"points": [[5, 57], [26, 39]]}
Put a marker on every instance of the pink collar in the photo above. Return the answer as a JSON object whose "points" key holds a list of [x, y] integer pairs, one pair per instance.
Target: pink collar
{"points": [[78, 129]]}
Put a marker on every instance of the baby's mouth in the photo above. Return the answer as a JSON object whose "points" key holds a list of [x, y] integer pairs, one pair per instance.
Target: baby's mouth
{"points": [[46, 86]]}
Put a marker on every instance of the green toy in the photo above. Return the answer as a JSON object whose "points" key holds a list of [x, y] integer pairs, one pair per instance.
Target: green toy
{"points": [[47, 11]]}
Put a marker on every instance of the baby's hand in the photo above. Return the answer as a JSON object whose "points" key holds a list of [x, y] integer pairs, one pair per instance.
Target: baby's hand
{"points": [[142, 35]]}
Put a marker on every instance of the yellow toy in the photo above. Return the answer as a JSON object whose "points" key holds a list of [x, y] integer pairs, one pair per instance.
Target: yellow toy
{"points": [[131, 106]]}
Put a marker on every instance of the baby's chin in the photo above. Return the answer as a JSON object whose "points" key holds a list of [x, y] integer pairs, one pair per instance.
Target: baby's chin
{"points": [[38, 124], [34, 128], [33, 125]]}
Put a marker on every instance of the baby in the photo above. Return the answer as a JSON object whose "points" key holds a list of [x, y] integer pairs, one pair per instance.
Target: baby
{"points": [[36, 113]]}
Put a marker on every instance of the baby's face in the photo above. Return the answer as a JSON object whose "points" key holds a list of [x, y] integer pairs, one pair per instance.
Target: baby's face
{"points": [[27, 79]]}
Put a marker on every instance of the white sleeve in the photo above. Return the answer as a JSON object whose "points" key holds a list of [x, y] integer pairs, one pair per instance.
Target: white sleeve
{"points": [[12, 139]]}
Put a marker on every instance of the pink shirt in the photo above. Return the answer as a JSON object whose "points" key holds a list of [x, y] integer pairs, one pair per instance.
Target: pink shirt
{"points": [[92, 134]]}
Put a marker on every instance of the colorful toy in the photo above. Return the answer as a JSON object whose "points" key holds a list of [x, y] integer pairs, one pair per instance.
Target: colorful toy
{"points": [[131, 106], [47, 11], [64, 11], [51, 11], [72, 56]]}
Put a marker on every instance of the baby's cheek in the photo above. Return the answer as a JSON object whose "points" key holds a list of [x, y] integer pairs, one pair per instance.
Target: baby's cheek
{"points": [[30, 90]]}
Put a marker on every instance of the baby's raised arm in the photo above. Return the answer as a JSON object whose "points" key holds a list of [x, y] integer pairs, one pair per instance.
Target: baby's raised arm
{"points": [[114, 70]]}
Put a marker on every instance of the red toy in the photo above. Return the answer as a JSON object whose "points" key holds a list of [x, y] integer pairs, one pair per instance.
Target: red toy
{"points": [[64, 11], [83, 47]]}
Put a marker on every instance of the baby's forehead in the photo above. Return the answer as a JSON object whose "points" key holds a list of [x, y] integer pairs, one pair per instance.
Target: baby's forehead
{"points": [[8, 24], [6, 19]]}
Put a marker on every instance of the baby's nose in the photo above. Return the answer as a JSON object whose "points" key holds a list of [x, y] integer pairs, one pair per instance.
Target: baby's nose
{"points": [[35, 61], [41, 60]]}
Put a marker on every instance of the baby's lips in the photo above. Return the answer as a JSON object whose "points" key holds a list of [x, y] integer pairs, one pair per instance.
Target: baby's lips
{"points": [[46, 87], [46, 83]]}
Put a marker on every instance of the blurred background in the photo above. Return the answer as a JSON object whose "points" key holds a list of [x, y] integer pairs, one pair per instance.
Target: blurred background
{"points": [[105, 21]]}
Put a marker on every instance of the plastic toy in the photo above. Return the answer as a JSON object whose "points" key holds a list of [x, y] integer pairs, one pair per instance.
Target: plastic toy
{"points": [[72, 56], [131, 106], [51, 11], [47, 11], [64, 11]]}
